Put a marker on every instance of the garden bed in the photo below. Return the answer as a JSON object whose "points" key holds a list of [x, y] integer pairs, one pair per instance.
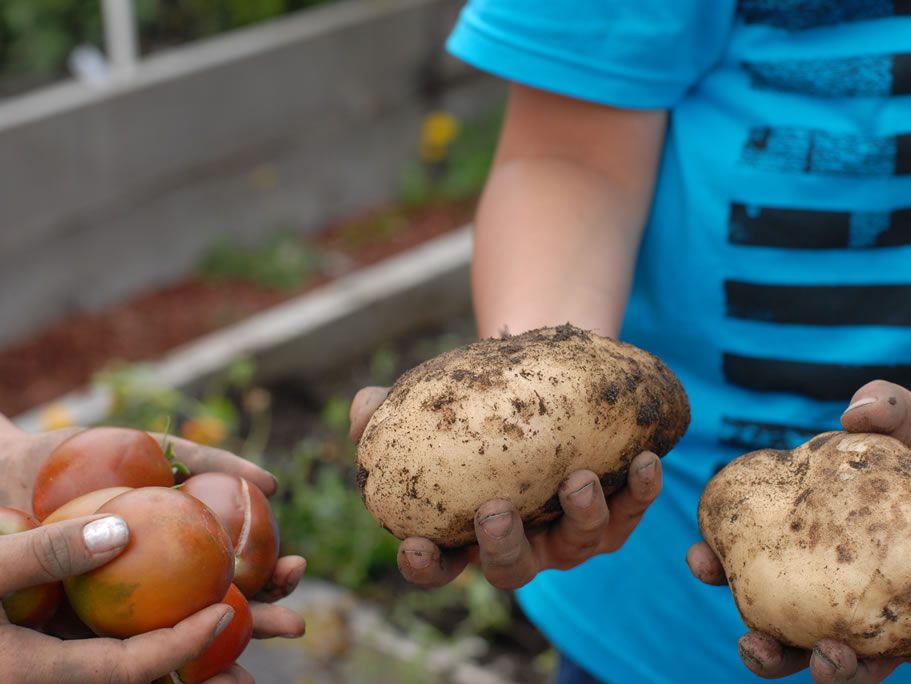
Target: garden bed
{"points": [[66, 355], [285, 125]]}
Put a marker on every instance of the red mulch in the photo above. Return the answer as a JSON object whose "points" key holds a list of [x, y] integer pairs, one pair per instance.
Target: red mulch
{"points": [[65, 355]]}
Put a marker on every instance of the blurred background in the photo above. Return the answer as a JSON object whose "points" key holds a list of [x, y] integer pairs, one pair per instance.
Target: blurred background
{"points": [[223, 217]]}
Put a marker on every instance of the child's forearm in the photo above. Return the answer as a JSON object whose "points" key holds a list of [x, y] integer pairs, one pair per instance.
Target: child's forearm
{"points": [[6, 425], [554, 243], [562, 214]]}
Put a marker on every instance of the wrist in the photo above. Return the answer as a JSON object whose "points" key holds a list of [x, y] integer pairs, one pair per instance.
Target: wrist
{"points": [[7, 426]]}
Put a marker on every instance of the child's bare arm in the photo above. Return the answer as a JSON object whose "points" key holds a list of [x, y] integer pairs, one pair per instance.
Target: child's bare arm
{"points": [[562, 214], [557, 235]]}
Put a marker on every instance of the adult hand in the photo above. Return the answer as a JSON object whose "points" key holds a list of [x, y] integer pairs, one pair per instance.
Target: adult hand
{"points": [[53, 552], [22, 455], [878, 406], [509, 557]]}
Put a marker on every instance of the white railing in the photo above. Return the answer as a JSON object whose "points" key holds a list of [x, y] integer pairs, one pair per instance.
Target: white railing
{"points": [[120, 39]]}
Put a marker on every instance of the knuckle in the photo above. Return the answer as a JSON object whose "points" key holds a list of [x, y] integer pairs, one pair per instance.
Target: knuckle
{"points": [[52, 553], [589, 526], [588, 548], [118, 670], [633, 518], [508, 581], [506, 557]]}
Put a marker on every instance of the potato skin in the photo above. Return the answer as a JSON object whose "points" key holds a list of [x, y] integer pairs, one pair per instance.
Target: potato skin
{"points": [[816, 542], [512, 418]]}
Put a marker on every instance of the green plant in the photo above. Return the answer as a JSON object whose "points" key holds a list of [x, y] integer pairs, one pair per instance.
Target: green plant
{"points": [[375, 227], [322, 517], [282, 262], [482, 609], [139, 400], [457, 170]]}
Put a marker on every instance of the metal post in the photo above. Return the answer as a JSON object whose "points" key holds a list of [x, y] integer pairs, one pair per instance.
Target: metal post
{"points": [[120, 35]]}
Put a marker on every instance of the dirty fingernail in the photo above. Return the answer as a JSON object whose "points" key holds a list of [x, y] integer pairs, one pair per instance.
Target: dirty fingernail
{"points": [[866, 401], [748, 657], [418, 559], [497, 525], [648, 469], [106, 534], [825, 660], [584, 496], [295, 577]]}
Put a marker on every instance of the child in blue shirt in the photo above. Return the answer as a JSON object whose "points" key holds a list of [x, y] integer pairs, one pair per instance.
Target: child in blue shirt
{"points": [[727, 185]]}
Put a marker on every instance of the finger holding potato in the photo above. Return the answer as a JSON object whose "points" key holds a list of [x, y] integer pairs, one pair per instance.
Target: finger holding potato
{"points": [[521, 453], [842, 616]]}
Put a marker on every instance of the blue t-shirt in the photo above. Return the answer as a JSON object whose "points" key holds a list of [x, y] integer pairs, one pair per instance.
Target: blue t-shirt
{"points": [[774, 275]]}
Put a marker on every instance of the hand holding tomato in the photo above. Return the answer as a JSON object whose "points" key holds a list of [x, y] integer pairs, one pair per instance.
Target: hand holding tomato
{"points": [[22, 457], [45, 555]]}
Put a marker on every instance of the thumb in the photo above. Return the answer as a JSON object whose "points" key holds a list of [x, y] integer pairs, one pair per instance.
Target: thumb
{"points": [[53, 552], [365, 402], [705, 565], [880, 406]]}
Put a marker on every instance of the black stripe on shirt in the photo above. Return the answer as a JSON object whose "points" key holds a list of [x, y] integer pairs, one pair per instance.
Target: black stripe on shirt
{"points": [[821, 381], [812, 229], [859, 76], [750, 435], [791, 149], [888, 305], [798, 15], [901, 74]]}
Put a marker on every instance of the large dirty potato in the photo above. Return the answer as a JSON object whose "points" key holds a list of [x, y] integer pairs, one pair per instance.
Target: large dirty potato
{"points": [[816, 542], [512, 418]]}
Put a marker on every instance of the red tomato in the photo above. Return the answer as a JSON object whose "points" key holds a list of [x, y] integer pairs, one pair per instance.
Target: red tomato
{"points": [[245, 512], [99, 458], [227, 646], [34, 606], [86, 504], [66, 624], [177, 562]]}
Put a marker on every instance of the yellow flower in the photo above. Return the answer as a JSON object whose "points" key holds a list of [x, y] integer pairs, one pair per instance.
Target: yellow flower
{"points": [[264, 178], [439, 130], [56, 416], [206, 430]]}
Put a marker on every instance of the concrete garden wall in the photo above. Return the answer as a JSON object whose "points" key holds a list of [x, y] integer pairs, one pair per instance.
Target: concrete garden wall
{"points": [[289, 124]]}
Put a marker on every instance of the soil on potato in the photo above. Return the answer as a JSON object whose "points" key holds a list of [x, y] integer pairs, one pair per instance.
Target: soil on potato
{"points": [[296, 413], [65, 355]]}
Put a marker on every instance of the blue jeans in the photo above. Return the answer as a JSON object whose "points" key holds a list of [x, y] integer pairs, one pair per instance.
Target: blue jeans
{"points": [[570, 673]]}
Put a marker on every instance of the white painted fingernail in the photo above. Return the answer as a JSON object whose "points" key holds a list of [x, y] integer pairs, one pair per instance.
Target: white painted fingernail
{"points": [[861, 402], [106, 534], [224, 622]]}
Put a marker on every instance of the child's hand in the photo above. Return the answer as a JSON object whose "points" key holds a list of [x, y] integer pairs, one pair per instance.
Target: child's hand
{"points": [[591, 524], [880, 407]]}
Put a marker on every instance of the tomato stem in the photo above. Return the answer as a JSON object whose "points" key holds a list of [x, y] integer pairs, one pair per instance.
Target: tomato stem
{"points": [[167, 446]]}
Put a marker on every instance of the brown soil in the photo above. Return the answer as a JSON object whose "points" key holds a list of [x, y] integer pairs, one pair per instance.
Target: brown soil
{"points": [[65, 355]]}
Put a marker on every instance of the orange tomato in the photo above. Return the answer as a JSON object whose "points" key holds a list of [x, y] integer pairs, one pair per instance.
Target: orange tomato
{"points": [[86, 504], [33, 606], [245, 512], [227, 646], [95, 459], [178, 561]]}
